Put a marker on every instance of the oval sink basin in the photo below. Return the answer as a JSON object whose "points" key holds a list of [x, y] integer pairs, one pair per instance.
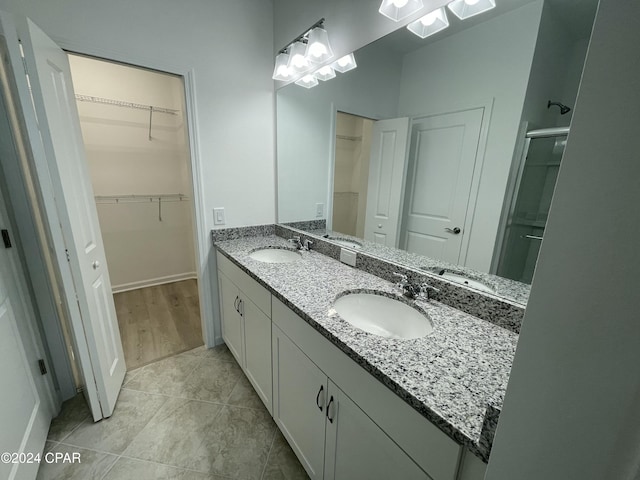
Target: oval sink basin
{"points": [[345, 242], [275, 255], [463, 279], [383, 316]]}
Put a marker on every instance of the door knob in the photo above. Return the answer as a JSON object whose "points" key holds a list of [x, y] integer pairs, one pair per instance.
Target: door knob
{"points": [[96, 265], [379, 225], [455, 230]]}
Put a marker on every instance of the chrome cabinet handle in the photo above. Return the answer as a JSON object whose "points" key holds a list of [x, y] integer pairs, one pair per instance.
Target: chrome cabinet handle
{"points": [[531, 237], [455, 230], [318, 397], [96, 265], [236, 304], [328, 407]]}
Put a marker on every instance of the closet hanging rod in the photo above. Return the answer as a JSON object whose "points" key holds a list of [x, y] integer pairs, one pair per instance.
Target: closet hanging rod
{"points": [[119, 103], [350, 138], [141, 198]]}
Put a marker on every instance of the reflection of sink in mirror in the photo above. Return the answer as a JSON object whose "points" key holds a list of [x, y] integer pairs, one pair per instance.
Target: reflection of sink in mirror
{"points": [[275, 255], [383, 316], [437, 187], [345, 242], [461, 278]]}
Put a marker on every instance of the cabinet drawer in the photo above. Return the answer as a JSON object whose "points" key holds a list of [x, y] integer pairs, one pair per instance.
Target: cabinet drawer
{"points": [[429, 447], [252, 289]]}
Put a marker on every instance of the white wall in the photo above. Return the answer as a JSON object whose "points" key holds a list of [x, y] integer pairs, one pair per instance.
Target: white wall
{"points": [[571, 407], [488, 62], [306, 119], [141, 248]]}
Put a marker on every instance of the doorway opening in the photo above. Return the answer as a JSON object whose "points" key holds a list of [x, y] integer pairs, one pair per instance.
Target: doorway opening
{"points": [[134, 129], [351, 174]]}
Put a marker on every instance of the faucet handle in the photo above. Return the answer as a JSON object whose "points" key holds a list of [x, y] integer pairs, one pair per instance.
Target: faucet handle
{"points": [[402, 276], [424, 290], [307, 244]]}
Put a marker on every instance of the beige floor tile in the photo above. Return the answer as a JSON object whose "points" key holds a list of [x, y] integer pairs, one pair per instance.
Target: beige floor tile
{"points": [[283, 463], [133, 411], [239, 444], [177, 435], [243, 395], [74, 411], [212, 380], [92, 465], [166, 376], [221, 352], [129, 469]]}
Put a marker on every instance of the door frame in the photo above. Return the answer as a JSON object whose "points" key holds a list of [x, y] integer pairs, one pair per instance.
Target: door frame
{"points": [[208, 325], [478, 168]]}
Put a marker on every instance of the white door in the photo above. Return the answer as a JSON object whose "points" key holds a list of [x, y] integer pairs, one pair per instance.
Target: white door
{"points": [[386, 177], [64, 169], [442, 158], [27, 402]]}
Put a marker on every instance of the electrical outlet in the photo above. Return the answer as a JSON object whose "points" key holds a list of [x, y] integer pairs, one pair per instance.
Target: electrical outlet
{"points": [[348, 257], [218, 216], [319, 210]]}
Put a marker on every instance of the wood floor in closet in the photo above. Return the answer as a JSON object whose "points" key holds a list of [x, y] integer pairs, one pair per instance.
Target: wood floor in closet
{"points": [[156, 322]]}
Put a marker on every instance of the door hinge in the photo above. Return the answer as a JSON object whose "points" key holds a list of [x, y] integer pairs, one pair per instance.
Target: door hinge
{"points": [[6, 238], [43, 367], [67, 254]]}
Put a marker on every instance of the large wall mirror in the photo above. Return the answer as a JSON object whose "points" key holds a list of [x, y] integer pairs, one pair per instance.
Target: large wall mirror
{"points": [[445, 148]]}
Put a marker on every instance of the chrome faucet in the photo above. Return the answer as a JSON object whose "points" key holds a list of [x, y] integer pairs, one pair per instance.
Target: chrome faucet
{"points": [[307, 244], [296, 241], [414, 290]]}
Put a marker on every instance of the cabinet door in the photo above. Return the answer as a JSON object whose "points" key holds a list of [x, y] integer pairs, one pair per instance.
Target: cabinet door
{"points": [[299, 395], [231, 319], [357, 448], [257, 350]]}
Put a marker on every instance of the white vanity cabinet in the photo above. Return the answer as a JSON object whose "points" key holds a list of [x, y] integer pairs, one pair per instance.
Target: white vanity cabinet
{"points": [[245, 307], [331, 435], [367, 431]]}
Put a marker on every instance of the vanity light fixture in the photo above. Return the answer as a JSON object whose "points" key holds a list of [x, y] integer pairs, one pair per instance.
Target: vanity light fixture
{"points": [[431, 23], [318, 47], [298, 62], [344, 64], [325, 73], [281, 70], [310, 48], [396, 10], [308, 81], [468, 8]]}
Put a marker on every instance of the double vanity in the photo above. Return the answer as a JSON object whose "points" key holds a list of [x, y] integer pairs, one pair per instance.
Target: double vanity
{"points": [[363, 381]]}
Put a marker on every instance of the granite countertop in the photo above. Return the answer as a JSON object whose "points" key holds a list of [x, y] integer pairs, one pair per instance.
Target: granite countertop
{"points": [[504, 288], [451, 376]]}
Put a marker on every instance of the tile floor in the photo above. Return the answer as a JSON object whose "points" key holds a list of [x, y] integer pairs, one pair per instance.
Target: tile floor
{"points": [[193, 416]]}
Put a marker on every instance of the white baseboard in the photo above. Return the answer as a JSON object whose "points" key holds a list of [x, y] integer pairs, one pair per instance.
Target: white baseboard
{"points": [[153, 282]]}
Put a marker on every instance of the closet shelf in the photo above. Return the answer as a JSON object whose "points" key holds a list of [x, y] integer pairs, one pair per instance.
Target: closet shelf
{"points": [[349, 138], [157, 197], [119, 103]]}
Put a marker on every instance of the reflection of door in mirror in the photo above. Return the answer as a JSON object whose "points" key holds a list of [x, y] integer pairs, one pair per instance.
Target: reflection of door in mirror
{"points": [[531, 203], [351, 170], [442, 161]]}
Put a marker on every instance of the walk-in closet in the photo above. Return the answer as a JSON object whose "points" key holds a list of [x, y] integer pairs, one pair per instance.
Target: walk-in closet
{"points": [[136, 140]]}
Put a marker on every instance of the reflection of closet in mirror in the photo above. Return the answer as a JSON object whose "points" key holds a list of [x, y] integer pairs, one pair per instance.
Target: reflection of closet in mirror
{"points": [[351, 171]]}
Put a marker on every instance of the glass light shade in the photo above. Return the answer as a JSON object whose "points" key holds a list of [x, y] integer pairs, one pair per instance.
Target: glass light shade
{"points": [[325, 73], [318, 47], [308, 81], [344, 64], [281, 70], [432, 22], [468, 8], [298, 63], [396, 10]]}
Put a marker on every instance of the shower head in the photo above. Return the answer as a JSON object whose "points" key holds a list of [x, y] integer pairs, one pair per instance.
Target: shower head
{"points": [[563, 108]]}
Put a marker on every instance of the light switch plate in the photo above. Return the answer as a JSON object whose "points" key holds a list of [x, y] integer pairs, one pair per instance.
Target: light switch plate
{"points": [[348, 257], [218, 216], [319, 210]]}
